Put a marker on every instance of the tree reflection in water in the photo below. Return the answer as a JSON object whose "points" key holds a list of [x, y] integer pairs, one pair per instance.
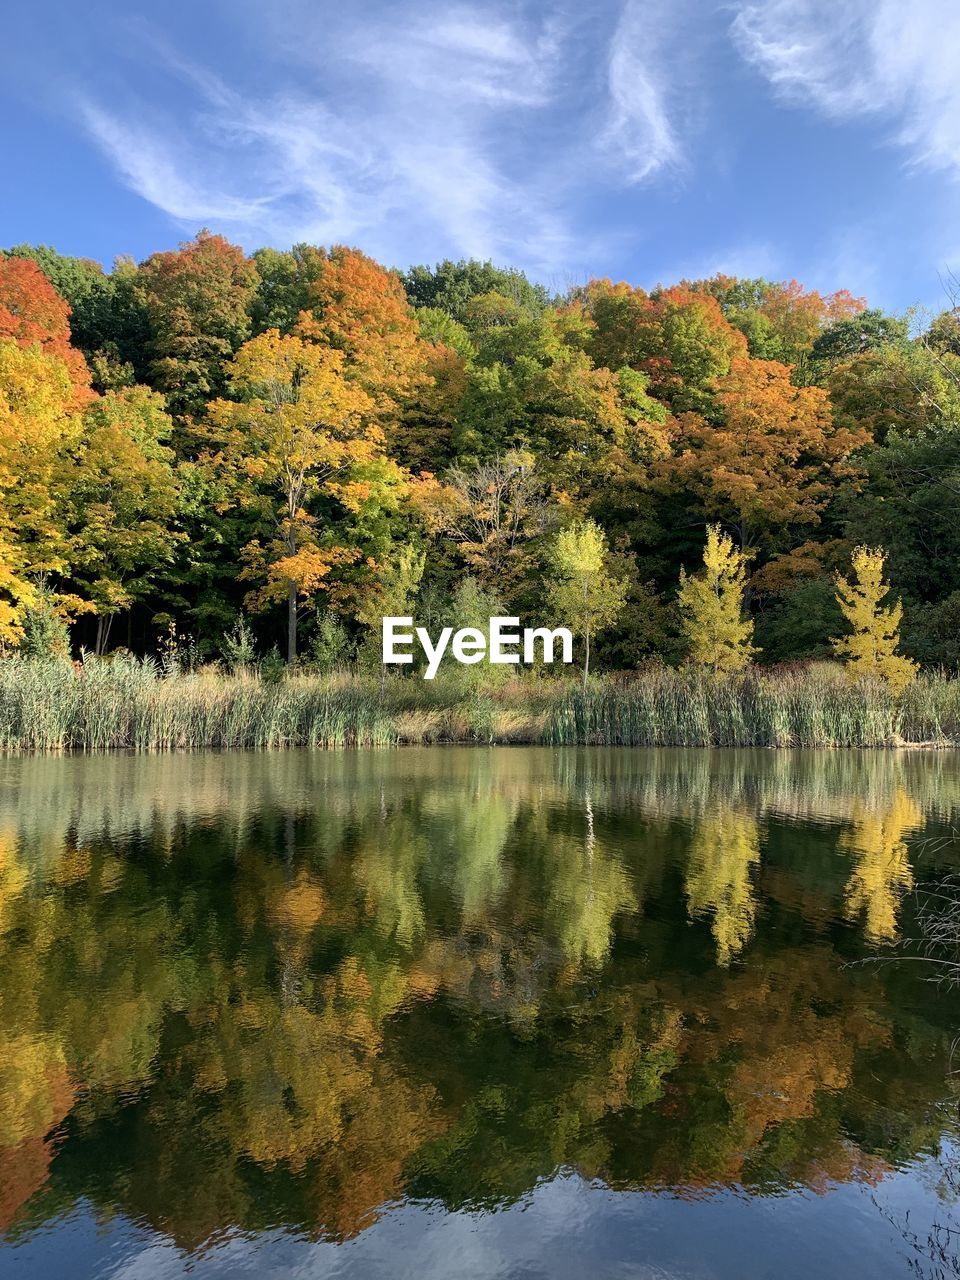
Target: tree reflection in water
{"points": [[245, 991]]}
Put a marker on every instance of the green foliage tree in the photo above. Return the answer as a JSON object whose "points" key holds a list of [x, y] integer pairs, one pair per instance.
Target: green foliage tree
{"points": [[450, 286], [908, 506], [44, 631], [533, 387], [124, 499], [852, 336], [284, 284], [439, 328], [392, 592], [904, 388]]}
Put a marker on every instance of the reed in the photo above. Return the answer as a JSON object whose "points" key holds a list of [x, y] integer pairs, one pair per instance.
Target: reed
{"points": [[128, 704]]}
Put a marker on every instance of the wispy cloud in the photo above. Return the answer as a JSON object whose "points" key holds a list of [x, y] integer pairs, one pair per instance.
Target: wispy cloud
{"points": [[639, 130], [467, 55], [155, 169], [442, 129], [882, 58]]}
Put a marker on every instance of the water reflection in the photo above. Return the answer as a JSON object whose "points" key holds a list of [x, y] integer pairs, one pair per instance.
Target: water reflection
{"points": [[881, 873], [291, 990], [724, 851]]}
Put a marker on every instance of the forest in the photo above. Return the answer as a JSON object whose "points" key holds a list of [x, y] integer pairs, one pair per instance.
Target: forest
{"points": [[215, 457]]}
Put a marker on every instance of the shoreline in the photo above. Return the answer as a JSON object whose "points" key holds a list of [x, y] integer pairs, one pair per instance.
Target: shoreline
{"points": [[127, 704], [472, 744]]}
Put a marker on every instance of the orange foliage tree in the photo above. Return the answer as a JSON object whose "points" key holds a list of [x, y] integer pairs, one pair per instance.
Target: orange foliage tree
{"points": [[359, 308], [771, 461], [678, 336], [31, 311]]}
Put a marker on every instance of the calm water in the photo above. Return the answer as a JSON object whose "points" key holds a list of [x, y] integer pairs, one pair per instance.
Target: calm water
{"points": [[506, 1013]]}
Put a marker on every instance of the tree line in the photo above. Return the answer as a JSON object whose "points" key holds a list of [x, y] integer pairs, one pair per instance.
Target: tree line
{"points": [[209, 449]]}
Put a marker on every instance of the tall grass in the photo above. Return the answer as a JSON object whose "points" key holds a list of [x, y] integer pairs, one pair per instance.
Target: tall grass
{"points": [[816, 707], [128, 704]]}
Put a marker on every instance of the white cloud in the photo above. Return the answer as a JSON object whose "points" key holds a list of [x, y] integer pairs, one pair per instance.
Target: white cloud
{"points": [[899, 62], [466, 54], [156, 171], [639, 129], [414, 129]]}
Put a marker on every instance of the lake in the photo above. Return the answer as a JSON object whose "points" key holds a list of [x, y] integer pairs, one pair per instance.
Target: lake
{"points": [[472, 1012]]}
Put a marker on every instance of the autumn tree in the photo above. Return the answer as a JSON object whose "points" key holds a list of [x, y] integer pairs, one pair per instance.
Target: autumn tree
{"points": [[358, 308], [677, 336], [711, 607], [31, 311], [871, 647], [123, 502], [103, 324], [297, 429], [881, 875], [40, 424], [797, 316], [782, 320], [773, 459], [196, 299], [583, 594], [724, 849]]}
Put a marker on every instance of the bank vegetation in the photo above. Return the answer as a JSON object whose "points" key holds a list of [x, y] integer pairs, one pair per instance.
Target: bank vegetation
{"points": [[131, 704]]}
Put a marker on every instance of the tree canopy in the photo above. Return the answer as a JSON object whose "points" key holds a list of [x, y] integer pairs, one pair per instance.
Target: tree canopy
{"points": [[207, 431]]}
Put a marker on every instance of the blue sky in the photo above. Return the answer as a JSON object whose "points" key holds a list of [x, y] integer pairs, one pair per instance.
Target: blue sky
{"points": [[642, 139]]}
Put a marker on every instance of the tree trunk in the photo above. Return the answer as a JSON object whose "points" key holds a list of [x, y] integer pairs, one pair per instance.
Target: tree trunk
{"points": [[292, 624], [748, 585], [104, 623], [586, 658], [292, 600]]}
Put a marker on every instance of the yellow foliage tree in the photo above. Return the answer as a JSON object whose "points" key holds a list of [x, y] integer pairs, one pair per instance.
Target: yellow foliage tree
{"points": [[39, 424], [583, 594], [711, 607], [298, 427], [871, 647]]}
